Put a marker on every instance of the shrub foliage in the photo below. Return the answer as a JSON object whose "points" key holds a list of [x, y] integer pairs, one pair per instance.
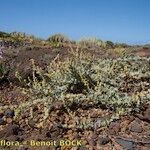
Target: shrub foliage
{"points": [[122, 84]]}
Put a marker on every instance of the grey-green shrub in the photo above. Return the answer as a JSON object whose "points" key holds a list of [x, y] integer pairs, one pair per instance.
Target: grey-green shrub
{"points": [[121, 84]]}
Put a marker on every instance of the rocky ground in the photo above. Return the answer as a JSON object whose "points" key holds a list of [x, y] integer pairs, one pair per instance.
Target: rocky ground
{"points": [[70, 132]]}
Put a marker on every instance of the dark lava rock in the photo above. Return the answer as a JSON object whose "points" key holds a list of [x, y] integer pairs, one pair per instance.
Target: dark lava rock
{"points": [[9, 130], [2, 122], [135, 127], [103, 140], [147, 114], [127, 145], [1, 115], [9, 113]]}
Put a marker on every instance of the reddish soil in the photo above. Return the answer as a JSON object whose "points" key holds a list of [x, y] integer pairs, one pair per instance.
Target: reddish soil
{"points": [[143, 53]]}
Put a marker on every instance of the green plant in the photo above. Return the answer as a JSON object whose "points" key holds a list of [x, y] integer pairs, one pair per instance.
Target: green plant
{"points": [[4, 34], [109, 44]]}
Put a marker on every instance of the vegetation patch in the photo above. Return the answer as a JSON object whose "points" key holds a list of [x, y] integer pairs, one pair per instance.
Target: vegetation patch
{"points": [[120, 85]]}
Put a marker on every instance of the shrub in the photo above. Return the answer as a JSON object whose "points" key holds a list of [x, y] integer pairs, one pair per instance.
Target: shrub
{"points": [[109, 44], [3, 73], [4, 35], [121, 45], [119, 85], [121, 52], [92, 42], [58, 38], [146, 47]]}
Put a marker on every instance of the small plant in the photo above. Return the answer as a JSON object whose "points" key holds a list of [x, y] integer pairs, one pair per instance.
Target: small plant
{"points": [[57, 40], [4, 35], [146, 47], [109, 44], [121, 52], [121, 45], [91, 42], [3, 73]]}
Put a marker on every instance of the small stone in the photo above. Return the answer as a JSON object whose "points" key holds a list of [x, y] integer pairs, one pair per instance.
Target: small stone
{"points": [[1, 115], [147, 114], [145, 148], [9, 113], [114, 128], [103, 140], [9, 120], [135, 127], [1, 104], [32, 123], [127, 145], [2, 122]]}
